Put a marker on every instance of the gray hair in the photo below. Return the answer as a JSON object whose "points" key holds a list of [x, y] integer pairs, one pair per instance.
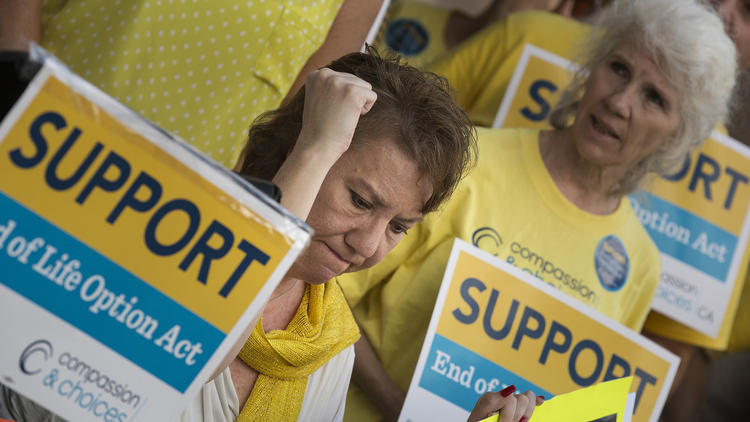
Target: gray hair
{"points": [[686, 39]]}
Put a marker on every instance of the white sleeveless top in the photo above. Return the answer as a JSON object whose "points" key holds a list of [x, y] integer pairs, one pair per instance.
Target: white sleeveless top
{"points": [[325, 394]]}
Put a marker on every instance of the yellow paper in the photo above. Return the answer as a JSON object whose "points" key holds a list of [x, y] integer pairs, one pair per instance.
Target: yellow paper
{"points": [[584, 405]]}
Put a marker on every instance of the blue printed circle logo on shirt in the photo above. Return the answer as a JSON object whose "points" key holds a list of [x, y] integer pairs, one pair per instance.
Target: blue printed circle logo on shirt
{"points": [[407, 37], [612, 263]]}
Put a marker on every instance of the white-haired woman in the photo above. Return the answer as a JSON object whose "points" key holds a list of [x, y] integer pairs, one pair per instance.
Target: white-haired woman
{"points": [[694, 64], [658, 77]]}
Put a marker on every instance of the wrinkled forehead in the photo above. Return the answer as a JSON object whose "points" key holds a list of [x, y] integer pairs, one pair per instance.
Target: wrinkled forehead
{"points": [[389, 138], [391, 170]]}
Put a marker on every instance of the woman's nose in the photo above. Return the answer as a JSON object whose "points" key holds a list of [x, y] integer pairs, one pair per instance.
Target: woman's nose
{"points": [[619, 102], [364, 240]]}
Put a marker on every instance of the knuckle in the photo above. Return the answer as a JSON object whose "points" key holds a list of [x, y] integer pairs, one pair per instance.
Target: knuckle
{"points": [[325, 74], [486, 399], [339, 83], [522, 401], [314, 75], [352, 92]]}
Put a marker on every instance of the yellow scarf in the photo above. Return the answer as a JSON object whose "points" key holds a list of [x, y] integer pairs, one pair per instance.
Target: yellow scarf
{"points": [[322, 327]]}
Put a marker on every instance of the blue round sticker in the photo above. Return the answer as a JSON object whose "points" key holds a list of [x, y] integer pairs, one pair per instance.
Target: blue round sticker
{"points": [[407, 37], [612, 263]]}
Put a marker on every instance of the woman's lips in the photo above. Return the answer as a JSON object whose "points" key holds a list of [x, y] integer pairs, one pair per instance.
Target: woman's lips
{"points": [[602, 129], [335, 254]]}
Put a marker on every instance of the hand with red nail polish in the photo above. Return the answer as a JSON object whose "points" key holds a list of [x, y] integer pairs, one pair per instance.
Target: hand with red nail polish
{"points": [[511, 407], [505, 392]]}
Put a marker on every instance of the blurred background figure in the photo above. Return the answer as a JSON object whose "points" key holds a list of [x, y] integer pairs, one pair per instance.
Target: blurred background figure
{"points": [[202, 70], [423, 30], [480, 69]]}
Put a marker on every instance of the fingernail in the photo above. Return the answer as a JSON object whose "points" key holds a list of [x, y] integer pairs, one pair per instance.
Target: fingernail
{"points": [[505, 392], [542, 397], [523, 419]]}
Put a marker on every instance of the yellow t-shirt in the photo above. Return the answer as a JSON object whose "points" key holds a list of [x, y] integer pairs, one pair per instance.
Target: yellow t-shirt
{"points": [[739, 340], [414, 30], [509, 206], [200, 69], [480, 69]]}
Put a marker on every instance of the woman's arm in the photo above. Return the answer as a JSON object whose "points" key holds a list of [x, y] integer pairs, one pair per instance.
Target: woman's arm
{"points": [[20, 22], [370, 375], [333, 103], [346, 35]]}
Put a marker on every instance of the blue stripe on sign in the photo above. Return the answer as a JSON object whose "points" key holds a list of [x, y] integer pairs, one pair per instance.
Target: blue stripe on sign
{"points": [[71, 307], [686, 236], [461, 376]]}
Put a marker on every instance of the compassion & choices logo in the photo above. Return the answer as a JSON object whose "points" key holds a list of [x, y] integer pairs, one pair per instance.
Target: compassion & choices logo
{"points": [[74, 379]]}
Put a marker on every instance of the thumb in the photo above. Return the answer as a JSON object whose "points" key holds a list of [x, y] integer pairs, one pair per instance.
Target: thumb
{"points": [[370, 99]]}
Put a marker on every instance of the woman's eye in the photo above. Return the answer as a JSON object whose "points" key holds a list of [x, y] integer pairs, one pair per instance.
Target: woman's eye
{"points": [[655, 98], [359, 202], [399, 228], [619, 69]]}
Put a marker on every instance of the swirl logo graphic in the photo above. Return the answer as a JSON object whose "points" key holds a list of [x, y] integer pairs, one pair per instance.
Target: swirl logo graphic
{"points": [[31, 356], [488, 239]]}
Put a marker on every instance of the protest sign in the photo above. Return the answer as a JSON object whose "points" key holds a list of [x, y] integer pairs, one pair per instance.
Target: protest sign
{"points": [[130, 263], [535, 87], [495, 325], [697, 217]]}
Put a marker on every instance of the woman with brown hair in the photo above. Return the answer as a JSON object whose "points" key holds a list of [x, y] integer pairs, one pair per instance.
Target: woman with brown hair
{"points": [[361, 153]]}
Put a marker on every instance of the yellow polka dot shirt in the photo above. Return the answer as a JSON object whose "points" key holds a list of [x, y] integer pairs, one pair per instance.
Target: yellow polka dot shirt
{"points": [[202, 69]]}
